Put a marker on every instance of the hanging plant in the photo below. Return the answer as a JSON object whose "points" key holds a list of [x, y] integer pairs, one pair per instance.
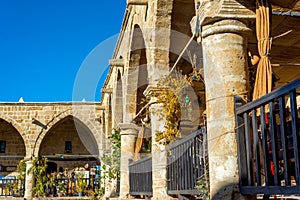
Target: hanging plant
{"points": [[173, 96]]}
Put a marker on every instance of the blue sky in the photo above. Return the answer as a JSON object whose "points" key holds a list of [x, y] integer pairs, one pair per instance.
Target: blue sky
{"points": [[45, 43]]}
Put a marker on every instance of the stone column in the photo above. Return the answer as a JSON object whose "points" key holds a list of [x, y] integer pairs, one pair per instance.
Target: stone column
{"points": [[128, 137], [225, 69], [28, 194], [158, 149], [159, 156]]}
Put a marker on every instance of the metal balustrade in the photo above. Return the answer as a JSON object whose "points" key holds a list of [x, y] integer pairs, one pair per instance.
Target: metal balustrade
{"points": [[268, 142], [12, 187], [186, 162], [185, 166], [140, 177]]}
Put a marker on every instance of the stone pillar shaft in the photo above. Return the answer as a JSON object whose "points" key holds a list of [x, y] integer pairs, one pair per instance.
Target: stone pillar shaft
{"points": [[28, 194], [159, 155], [225, 66], [128, 137]]}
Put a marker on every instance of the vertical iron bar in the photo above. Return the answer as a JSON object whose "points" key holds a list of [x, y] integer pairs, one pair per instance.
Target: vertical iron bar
{"points": [[241, 145], [273, 133], [248, 149], [284, 142], [256, 148], [265, 144], [295, 133]]}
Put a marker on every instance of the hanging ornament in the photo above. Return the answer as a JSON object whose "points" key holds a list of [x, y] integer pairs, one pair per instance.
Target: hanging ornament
{"points": [[187, 99], [194, 76]]}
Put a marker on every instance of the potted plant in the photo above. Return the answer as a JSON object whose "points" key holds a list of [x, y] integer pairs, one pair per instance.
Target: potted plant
{"points": [[80, 184], [51, 184], [61, 188]]}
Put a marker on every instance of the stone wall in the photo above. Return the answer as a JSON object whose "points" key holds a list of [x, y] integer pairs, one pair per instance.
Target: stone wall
{"points": [[14, 146], [32, 129]]}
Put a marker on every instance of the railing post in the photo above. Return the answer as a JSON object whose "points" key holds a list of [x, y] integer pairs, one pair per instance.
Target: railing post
{"points": [[242, 154]]}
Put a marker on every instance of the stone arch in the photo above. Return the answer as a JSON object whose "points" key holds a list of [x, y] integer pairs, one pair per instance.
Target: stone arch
{"points": [[69, 139], [137, 78], [16, 125], [93, 126], [12, 146]]}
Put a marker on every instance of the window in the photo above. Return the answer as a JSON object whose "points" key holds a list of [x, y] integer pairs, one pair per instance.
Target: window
{"points": [[68, 146], [2, 146]]}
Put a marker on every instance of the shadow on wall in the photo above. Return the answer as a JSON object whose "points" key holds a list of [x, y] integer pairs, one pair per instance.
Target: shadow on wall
{"points": [[232, 191]]}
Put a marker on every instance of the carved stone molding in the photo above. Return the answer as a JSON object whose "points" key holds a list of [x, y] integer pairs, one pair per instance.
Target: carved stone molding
{"points": [[225, 26], [116, 62], [107, 90], [153, 90], [129, 128], [137, 2], [210, 11]]}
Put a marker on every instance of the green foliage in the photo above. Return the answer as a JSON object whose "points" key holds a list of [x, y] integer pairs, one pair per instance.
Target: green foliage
{"points": [[21, 168], [51, 183], [115, 139], [41, 179], [61, 187], [171, 97], [203, 182], [147, 145], [81, 183], [16, 186], [98, 191], [174, 95], [110, 163]]}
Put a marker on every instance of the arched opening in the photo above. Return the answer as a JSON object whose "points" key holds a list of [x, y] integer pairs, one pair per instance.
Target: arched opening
{"points": [[109, 123], [70, 144], [138, 72], [138, 82], [12, 148], [51, 167], [189, 65], [118, 100]]}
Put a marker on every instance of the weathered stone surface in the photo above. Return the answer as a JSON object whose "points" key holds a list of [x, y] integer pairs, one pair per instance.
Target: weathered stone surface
{"points": [[128, 137], [225, 77]]}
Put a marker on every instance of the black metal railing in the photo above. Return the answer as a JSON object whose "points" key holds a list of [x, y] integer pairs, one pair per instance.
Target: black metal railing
{"points": [[69, 186], [268, 137], [186, 162], [140, 177], [12, 187]]}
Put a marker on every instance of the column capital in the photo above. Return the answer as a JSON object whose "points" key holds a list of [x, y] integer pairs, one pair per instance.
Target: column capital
{"points": [[225, 26], [129, 128], [209, 12], [153, 90]]}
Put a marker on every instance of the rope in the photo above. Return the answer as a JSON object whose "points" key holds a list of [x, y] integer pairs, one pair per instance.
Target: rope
{"points": [[182, 52]]}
